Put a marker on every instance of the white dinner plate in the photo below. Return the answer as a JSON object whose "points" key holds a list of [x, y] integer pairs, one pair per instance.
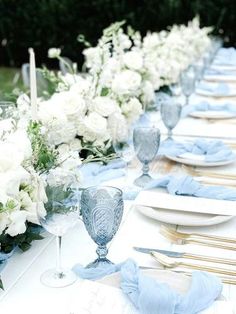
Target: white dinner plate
{"points": [[182, 218], [199, 163], [211, 114]]}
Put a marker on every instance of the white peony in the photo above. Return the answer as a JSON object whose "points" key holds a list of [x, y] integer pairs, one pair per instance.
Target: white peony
{"points": [[93, 127], [132, 109], [126, 82], [104, 105], [21, 141], [133, 60]]}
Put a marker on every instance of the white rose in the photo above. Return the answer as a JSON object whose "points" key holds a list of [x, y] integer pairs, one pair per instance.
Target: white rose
{"points": [[132, 109], [93, 127], [126, 82], [17, 223], [148, 93], [10, 156], [71, 103], [104, 105], [54, 52], [21, 140], [133, 60], [117, 127]]}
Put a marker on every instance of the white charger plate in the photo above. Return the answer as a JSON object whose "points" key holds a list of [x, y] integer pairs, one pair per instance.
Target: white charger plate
{"points": [[182, 218], [199, 163], [211, 114]]}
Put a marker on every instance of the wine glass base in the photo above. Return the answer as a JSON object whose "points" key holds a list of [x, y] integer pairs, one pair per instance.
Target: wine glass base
{"points": [[143, 180], [51, 278], [99, 263]]}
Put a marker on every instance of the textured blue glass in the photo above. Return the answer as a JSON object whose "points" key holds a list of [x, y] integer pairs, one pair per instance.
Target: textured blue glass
{"points": [[146, 143], [102, 210], [170, 114]]}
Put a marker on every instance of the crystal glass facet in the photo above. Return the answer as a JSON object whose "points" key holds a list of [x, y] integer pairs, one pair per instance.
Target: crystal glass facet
{"points": [[170, 114], [102, 210], [146, 143]]}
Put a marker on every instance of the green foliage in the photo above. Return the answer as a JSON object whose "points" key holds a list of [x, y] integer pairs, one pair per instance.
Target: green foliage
{"points": [[51, 23], [44, 158], [23, 241]]}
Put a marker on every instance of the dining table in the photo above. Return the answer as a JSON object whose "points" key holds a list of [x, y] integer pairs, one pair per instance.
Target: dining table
{"points": [[23, 291]]}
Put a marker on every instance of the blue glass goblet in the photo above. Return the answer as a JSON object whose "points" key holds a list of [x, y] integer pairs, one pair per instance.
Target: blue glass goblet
{"points": [[102, 210], [146, 144], [170, 114], [188, 80]]}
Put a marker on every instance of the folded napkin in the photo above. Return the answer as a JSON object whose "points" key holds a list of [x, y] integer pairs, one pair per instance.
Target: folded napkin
{"points": [[208, 151], [214, 72], [94, 173], [150, 296], [205, 106], [220, 89], [186, 185]]}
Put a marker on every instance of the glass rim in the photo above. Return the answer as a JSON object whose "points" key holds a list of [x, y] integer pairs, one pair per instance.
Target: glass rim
{"points": [[96, 187]]}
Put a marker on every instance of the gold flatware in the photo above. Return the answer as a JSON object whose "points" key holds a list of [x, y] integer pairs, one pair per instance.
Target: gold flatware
{"points": [[171, 262], [212, 241], [197, 172], [230, 280]]}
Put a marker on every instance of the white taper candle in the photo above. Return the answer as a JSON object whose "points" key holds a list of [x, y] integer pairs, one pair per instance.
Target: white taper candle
{"points": [[33, 85]]}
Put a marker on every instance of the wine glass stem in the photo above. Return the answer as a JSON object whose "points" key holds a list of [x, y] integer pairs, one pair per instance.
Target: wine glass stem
{"points": [[187, 100], [145, 168], [169, 134], [58, 264]]}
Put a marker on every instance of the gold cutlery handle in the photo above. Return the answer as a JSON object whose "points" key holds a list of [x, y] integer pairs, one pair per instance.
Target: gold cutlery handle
{"points": [[213, 238], [210, 259], [210, 269], [212, 244]]}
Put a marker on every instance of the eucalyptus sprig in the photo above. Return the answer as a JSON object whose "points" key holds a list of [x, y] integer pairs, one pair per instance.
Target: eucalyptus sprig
{"points": [[44, 157]]}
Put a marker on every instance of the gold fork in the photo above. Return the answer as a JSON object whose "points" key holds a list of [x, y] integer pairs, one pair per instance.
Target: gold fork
{"points": [[197, 172], [171, 262], [184, 238]]}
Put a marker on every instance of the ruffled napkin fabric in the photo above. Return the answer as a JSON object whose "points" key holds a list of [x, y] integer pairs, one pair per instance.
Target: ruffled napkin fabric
{"points": [[205, 106], [186, 185], [94, 173], [220, 89], [150, 296], [209, 151]]}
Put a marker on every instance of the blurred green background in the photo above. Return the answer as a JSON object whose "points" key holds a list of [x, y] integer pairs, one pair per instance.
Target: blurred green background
{"points": [[56, 23]]}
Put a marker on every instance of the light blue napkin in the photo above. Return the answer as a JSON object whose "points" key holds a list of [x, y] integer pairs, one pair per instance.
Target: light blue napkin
{"points": [[226, 56], [150, 296], [187, 186], [205, 106], [213, 151], [94, 172], [220, 89]]}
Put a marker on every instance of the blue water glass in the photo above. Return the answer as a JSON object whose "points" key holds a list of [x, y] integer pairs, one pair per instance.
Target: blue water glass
{"points": [[170, 114], [146, 143], [102, 210]]}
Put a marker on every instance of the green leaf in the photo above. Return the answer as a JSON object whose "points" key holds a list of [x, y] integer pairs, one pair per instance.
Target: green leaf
{"points": [[105, 91], [24, 246]]}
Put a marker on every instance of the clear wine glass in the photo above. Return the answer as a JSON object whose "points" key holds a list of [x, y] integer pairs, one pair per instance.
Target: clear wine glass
{"points": [[102, 210], [7, 110], [188, 80], [62, 213], [170, 114], [146, 143]]}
